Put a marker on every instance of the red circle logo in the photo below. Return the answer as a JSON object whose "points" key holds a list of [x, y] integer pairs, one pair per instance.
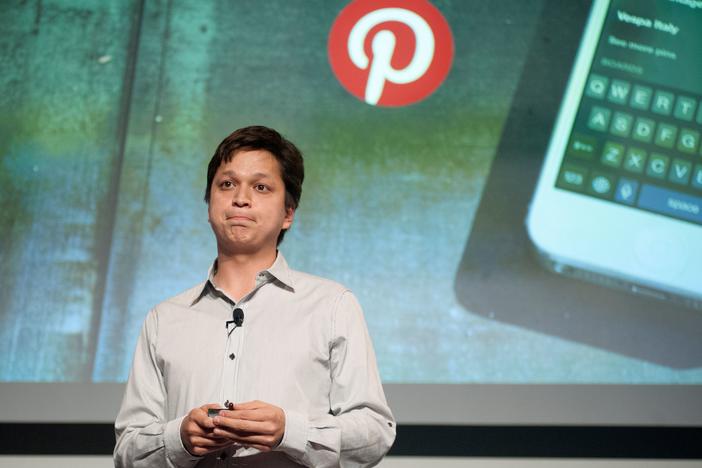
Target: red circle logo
{"points": [[390, 52]]}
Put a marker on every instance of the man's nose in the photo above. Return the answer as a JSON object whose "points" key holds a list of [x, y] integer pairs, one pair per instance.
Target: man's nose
{"points": [[241, 196]]}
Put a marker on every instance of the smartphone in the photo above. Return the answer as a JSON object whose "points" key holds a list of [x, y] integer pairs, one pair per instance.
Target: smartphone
{"points": [[619, 197]]}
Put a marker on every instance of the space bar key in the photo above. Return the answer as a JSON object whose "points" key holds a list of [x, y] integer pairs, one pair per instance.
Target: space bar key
{"points": [[671, 203]]}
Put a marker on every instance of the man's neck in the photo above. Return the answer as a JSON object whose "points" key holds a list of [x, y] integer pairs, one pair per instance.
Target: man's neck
{"points": [[236, 273]]}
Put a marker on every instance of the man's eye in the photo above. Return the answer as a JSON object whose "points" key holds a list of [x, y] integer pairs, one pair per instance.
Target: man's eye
{"points": [[226, 184], [261, 187]]}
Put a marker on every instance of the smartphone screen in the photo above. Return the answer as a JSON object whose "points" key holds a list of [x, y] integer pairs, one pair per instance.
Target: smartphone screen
{"points": [[636, 137], [620, 192]]}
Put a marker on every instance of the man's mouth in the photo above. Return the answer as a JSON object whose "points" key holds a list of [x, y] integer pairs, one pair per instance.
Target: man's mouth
{"points": [[239, 218]]}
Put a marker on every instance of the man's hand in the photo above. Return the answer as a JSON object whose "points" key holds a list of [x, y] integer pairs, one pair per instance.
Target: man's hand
{"points": [[196, 432], [253, 424]]}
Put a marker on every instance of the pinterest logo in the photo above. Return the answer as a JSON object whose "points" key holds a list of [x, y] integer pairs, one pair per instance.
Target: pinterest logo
{"points": [[390, 52]]}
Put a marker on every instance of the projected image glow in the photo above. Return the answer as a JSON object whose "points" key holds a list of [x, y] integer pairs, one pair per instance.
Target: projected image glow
{"points": [[102, 163]]}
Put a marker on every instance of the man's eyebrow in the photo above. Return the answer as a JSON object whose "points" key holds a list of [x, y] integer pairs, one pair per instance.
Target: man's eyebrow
{"points": [[255, 175]]}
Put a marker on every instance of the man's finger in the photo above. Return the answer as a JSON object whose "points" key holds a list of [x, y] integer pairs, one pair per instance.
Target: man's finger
{"points": [[199, 416], [248, 405], [248, 414], [250, 439], [197, 425], [244, 425], [209, 442]]}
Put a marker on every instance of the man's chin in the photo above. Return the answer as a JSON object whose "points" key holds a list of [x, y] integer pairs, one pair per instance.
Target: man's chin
{"points": [[243, 246]]}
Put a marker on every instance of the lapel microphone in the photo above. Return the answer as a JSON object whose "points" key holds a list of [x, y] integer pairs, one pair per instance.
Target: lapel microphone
{"points": [[237, 320]]}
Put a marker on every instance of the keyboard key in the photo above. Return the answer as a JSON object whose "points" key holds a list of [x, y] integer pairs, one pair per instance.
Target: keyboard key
{"points": [[621, 124], [665, 135], [657, 165], [641, 97], [572, 178], [601, 185], [671, 202], [596, 86], [643, 130], [697, 177], [619, 92], [634, 160], [626, 191], [685, 108], [680, 171], [688, 140], [662, 103], [582, 146], [599, 118], [612, 154]]}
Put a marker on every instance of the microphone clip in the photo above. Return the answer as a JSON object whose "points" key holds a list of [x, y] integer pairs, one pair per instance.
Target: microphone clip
{"points": [[237, 320]]}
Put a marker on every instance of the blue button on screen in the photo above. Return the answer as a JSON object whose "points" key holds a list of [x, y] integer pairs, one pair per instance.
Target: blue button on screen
{"points": [[671, 203], [626, 191]]}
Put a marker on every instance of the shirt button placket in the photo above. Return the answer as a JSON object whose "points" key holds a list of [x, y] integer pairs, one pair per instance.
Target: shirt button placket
{"points": [[229, 365]]}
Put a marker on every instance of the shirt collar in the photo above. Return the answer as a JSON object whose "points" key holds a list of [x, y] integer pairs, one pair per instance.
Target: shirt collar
{"points": [[282, 272], [279, 273]]}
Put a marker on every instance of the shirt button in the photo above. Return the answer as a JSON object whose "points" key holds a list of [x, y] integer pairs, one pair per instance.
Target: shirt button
{"points": [[232, 356]]}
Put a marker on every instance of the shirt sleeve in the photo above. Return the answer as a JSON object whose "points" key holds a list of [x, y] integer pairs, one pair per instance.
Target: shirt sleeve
{"points": [[144, 437], [360, 428]]}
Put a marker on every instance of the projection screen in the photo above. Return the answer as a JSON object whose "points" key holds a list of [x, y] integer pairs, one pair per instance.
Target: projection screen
{"points": [[420, 174]]}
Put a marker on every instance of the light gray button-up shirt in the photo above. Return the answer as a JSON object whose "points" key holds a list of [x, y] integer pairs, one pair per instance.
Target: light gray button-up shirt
{"points": [[303, 346]]}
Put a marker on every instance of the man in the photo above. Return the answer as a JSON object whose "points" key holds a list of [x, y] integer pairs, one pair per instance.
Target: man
{"points": [[291, 350]]}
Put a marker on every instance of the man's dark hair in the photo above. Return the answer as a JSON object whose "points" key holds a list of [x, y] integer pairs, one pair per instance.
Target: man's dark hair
{"points": [[257, 137]]}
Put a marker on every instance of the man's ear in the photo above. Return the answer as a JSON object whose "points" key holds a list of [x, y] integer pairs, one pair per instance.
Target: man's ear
{"points": [[289, 217]]}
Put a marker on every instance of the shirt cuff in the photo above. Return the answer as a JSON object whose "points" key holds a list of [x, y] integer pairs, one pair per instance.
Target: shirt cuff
{"points": [[294, 441], [175, 450]]}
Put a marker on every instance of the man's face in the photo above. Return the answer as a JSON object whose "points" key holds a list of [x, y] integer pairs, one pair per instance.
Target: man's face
{"points": [[247, 203]]}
